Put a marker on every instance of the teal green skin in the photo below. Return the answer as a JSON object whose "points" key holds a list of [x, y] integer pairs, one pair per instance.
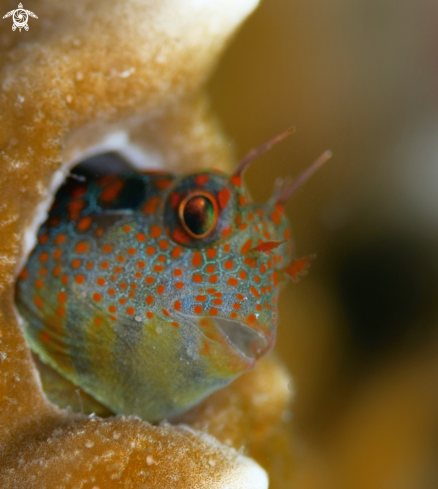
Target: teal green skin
{"points": [[123, 300]]}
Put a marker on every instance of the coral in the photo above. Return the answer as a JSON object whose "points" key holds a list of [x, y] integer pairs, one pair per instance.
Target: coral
{"points": [[124, 76]]}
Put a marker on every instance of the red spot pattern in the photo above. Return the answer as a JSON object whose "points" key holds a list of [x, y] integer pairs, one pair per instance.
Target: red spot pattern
{"points": [[137, 264]]}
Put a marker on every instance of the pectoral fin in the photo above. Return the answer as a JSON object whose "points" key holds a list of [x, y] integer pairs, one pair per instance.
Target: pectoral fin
{"points": [[298, 268]]}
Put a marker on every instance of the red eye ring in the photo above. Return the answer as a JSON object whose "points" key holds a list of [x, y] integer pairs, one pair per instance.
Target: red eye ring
{"points": [[196, 210]]}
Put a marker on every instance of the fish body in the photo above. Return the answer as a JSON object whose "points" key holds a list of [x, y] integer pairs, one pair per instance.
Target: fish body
{"points": [[150, 290]]}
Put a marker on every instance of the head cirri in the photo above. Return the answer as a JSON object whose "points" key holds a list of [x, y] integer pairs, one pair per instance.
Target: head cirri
{"points": [[149, 291]]}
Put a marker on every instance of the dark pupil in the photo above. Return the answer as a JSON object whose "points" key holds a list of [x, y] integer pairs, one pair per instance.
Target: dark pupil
{"points": [[199, 215]]}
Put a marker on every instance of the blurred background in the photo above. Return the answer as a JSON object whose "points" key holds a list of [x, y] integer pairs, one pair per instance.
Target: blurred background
{"points": [[360, 332]]}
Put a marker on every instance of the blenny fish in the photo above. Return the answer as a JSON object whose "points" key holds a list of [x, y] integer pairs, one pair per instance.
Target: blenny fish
{"points": [[151, 290]]}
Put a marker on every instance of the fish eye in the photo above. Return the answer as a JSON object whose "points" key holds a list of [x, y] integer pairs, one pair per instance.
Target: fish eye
{"points": [[198, 214]]}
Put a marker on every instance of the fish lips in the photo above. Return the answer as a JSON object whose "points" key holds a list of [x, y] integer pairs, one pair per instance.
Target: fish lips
{"points": [[247, 343]]}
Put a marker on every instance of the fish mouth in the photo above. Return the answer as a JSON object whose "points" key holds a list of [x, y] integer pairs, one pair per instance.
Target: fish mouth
{"points": [[249, 343]]}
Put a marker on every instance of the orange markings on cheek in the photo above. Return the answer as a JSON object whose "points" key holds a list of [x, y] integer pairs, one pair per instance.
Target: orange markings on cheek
{"points": [[211, 253], [44, 257], [164, 245], [176, 252], [175, 199], [177, 305], [275, 216], [24, 274], [60, 239], [236, 180], [226, 232], [44, 336], [97, 297], [97, 321], [162, 184], [155, 231], [160, 289], [112, 192], [232, 281], [43, 238], [197, 259], [254, 291], [201, 179], [151, 205], [81, 247], [38, 301], [84, 223], [197, 278], [246, 247], [224, 197], [62, 297], [180, 236]]}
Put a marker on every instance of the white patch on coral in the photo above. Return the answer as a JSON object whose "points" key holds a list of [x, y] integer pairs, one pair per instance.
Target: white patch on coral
{"points": [[242, 472]]}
